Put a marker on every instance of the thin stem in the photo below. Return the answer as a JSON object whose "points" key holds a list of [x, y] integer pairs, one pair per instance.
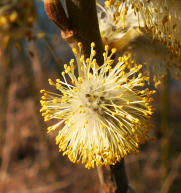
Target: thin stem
{"points": [[165, 134], [119, 173]]}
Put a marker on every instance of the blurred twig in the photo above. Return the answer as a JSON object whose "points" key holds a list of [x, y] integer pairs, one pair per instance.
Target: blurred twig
{"points": [[58, 61], [35, 79], [172, 175], [35, 71], [165, 133], [5, 69], [10, 132]]}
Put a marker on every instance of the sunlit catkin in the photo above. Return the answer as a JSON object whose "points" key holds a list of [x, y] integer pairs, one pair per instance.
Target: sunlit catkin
{"points": [[102, 115], [147, 29]]}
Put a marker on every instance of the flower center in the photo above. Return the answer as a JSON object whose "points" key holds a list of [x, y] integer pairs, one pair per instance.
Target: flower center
{"points": [[94, 102]]}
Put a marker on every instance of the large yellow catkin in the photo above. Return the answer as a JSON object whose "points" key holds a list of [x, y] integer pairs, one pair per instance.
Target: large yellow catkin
{"points": [[102, 116]]}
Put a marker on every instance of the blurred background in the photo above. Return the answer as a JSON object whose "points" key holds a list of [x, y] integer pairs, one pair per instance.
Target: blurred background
{"points": [[29, 158]]}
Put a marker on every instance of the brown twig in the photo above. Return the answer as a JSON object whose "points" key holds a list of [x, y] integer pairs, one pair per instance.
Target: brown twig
{"points": [[81, 26], [113, 179], [84, 23], [120, 178], [57, 14]]}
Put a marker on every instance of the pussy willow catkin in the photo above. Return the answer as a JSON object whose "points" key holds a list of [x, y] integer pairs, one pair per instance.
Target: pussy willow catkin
{"points": [[101, 115]]}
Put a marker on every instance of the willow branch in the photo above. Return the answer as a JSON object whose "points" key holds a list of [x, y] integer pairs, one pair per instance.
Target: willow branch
{"points": [[57, 14], [81, 24], [83, 27], [84, 22]]}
